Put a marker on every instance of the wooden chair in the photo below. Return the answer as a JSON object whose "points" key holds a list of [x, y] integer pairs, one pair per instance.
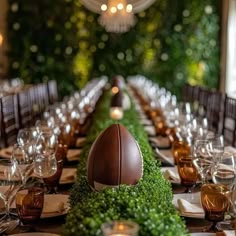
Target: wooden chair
{"points": [[203, 96], [24, 109], [9, 120], [214, 111], [52, 91], [187, 92], [229, 121], [42, 90], [34, 102]]}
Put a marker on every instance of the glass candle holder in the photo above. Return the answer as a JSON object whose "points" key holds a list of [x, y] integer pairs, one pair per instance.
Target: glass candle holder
{"points": [[120, 228], [116, 113]]}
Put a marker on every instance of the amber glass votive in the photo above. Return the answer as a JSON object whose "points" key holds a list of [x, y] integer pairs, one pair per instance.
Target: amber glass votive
{"points": [[120, 228], [180, 148]]}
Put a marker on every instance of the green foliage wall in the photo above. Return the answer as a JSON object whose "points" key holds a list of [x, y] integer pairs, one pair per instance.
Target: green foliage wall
{"points": [[172, 42]]}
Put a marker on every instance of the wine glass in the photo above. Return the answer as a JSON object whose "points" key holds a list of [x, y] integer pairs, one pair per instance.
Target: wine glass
{"points": [[224, 172], [215, 202], [10, 182], [45, 162], [187, 172], [216, 146], [202, 158], [25, 163], [26, 138]]}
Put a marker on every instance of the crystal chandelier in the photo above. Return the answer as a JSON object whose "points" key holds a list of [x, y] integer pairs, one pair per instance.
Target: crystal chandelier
{"points": [[117, 15]]}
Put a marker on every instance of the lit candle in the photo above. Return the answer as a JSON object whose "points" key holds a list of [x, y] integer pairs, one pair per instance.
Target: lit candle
{"points": [[116, 113], [120, 228]]}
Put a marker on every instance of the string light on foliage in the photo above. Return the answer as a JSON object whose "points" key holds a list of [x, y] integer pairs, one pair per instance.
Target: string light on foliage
{"points": [[164, 57], [14, 7], [16, 26], [186, 13], [117, 16], [208, 9]]}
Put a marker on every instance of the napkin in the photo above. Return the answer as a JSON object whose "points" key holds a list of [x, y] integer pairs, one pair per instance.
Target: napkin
{"points": [[73, 154], [80, 142], [150, 130], [229, 232], [146, 122], [171, 175], [230, 149], [190, 209], [160, 141], [68, 175], [165, 156], [6, 152], [53, 204]]}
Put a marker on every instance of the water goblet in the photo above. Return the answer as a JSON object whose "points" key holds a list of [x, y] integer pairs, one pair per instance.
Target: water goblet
{"points": [[25, 163], [187, 172], [215, 202], [52, 181], [224, 172], [202, 158], [10, 182], [216, 146], [180, 148], [29, 204]]}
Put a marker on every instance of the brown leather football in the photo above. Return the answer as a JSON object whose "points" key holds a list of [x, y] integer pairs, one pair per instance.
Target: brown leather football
{"points": [[114, 159]]}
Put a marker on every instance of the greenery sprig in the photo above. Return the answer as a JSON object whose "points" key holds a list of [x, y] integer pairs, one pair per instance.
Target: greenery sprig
{"points": [[148, 203]]}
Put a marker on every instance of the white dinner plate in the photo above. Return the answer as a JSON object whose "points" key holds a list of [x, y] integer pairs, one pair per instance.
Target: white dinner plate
{"points": [[35, 234], [202, 234]]}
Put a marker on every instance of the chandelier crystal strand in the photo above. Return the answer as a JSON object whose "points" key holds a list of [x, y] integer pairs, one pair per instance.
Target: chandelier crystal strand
{"points": [[117, 15]]}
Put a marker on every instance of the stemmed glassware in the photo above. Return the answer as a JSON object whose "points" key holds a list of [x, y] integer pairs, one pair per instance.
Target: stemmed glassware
{"points": [[10, 182], [202, 158], [45, 163], [224, 173], [216, 146], [215, 202], [24, 161], [187, 172]]}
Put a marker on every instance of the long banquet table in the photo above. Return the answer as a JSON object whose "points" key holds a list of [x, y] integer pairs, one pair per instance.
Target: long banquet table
{"points": [[62, 224]]}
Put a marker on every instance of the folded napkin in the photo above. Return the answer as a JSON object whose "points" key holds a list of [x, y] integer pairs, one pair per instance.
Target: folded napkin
{"points": [[80, 142], [6, 152], [68, 175], [171, 174], [55, 203], [189, 209], [73, 154], [160, 141], [229, 232], [230, 149], [150, 130], [165, 156], [146, 122]]}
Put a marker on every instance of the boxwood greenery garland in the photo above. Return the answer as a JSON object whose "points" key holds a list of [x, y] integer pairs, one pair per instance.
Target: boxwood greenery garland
{"points": [[148, 203]]}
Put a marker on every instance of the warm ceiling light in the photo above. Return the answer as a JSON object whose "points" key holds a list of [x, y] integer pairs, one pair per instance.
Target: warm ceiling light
{"points": [[129, 8], [117, 15], [120, 6], [1, 39], [113, 10], [104, 7]]}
